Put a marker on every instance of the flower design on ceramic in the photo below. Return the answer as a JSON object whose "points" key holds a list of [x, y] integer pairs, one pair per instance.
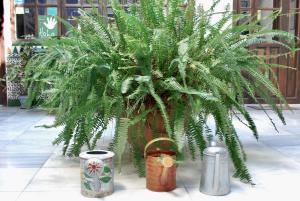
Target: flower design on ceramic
{"points": [[94, 166]]}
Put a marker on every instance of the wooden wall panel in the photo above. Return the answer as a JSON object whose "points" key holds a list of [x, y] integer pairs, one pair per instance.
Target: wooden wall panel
{"points": [[288, 78]]}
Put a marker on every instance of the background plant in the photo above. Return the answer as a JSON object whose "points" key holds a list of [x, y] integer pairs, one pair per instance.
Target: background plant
{"points": [[18, 61], [156, 58]]}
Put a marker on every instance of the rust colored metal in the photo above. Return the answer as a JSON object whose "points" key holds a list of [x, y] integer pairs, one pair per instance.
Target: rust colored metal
{"points": [[160, 168]]}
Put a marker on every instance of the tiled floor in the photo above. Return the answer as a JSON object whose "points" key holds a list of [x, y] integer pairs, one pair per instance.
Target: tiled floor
{"points": [[32, 169]]}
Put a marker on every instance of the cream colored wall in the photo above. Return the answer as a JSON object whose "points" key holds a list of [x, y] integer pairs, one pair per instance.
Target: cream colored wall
{"points": [[220, 7], [7, 28], [266, 21], [222, 4]]}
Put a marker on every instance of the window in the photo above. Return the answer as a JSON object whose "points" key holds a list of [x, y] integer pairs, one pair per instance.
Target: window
{"points": [[38, 18], [245, 3], [261, 10], [31, 14]]}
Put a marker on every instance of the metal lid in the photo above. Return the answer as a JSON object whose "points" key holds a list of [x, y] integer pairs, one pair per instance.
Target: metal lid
{"points": [[100, 154], [212, 151]]}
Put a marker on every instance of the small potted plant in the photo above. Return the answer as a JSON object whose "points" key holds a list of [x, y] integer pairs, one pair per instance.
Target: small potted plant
{"points": [[16, 70]]}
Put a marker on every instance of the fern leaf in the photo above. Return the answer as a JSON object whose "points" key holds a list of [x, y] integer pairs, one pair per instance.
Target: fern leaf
{"points": [[121, 139]]}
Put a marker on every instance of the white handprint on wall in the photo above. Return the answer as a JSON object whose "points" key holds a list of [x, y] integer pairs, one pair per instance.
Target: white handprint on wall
{"points": [[51, 22]]}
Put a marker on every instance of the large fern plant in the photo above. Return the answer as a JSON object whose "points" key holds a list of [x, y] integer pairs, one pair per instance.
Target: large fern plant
{"points": [[156, 57]]}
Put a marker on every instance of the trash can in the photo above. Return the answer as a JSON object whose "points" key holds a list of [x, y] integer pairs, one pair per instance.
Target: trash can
{"points": [[97, 173], [215, 171]]}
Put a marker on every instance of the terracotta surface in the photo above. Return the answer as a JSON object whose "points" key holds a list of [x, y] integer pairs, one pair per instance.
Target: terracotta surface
{"points": [[152, 128], [159, 177]]}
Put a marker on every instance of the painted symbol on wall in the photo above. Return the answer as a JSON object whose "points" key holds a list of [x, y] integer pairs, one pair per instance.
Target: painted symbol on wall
{"points": [[51, 22], [47, 26]]}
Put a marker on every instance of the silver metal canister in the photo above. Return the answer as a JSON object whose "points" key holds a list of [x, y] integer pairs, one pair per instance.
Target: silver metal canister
{"points": [[97, 173], [215, 171]]}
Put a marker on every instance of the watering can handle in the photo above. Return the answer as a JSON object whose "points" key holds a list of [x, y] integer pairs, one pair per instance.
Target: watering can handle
{"points": [[156, 140]]}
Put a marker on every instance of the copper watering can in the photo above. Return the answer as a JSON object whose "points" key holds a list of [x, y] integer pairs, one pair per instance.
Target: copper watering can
{"points": [[160, 167]]}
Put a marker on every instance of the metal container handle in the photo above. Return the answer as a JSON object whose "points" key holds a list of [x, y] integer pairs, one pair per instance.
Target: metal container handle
{"points": [[216, 184], [157, 140]]}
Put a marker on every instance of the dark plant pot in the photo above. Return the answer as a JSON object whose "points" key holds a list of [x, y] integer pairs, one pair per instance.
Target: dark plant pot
{"points": [[23, 100]]}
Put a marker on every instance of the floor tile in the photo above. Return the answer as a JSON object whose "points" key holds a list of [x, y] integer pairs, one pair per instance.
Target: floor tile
{"points": [[59, 161], [279, 184], [23, 160], [125, 181], [9, 134], [47, 120], [30, 142], [9, 196], [27, 146], [237, 194], [4, 142], [55, 179], [261, 158], [290, 151], [70, 195], [41, 135], [273, 162], [280, 140], [132, 195], [15, 179], [190, 172], [147, 195]]}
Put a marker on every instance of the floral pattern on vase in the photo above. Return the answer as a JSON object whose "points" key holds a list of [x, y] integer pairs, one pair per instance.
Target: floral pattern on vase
{"points": [[97, 177]]}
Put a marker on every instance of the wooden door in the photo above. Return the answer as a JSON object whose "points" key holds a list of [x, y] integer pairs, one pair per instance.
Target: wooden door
{"points": [[288, 79], [2, 58]]}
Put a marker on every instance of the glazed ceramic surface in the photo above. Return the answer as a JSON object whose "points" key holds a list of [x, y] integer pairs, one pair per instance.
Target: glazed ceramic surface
{"points": [[97, 173]]}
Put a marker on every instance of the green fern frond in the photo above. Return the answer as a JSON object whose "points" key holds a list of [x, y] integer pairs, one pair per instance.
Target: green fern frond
{"points": [[168, 60], [195, 131], [162, 108], [120, 139]]}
